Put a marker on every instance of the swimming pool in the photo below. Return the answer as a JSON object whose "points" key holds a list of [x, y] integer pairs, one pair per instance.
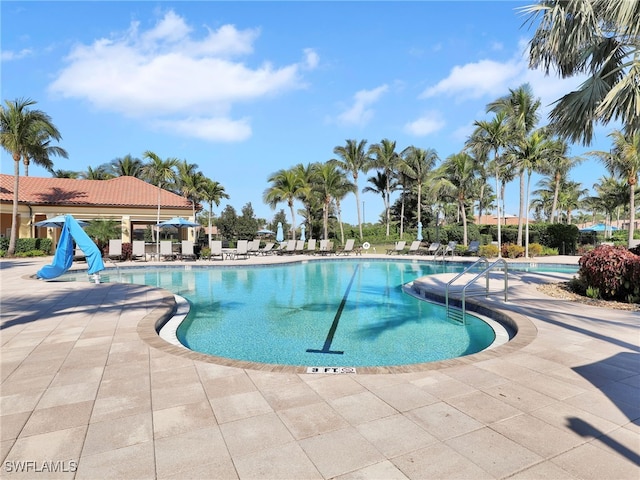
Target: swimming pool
{"points": [[349, 312]]}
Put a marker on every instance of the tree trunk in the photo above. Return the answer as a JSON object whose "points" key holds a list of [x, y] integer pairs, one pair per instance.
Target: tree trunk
{"points": [[14, 212], [355, 181], [554, 207], [340, 221], [402, 214], [632, 210], [522, 207], [464, 221], [293, 221]]}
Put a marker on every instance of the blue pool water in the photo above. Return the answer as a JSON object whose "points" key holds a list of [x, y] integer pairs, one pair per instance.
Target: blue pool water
{"points": [[327, 313]]}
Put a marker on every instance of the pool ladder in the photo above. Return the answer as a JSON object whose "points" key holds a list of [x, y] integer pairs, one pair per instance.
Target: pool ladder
{"points": [[466, 291]]}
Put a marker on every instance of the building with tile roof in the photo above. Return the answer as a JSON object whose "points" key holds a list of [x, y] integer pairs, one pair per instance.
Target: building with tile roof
{"points": [[129, 200]]}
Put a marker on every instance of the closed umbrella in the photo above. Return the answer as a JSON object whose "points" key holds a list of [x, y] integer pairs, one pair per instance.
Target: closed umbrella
{"points": [[302, 232], [419, 237], [279, 233]]}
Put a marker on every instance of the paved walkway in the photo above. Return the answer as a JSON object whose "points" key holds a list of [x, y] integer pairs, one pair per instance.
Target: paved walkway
{"points": [[85, 395]]}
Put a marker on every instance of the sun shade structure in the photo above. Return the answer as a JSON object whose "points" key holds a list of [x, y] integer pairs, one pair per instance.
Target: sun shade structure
{"points": [[58, 222], [178, 222]]}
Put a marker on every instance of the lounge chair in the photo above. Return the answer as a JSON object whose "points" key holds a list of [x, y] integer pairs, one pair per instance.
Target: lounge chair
{"points": [[474, 247], [399, 247], [311, 246], [325, 247], [414, 247], [216, 249], [289, 248], [138, 250], [299, 246], [267, 249], [242, 249], [253, 247], [434, 248], [187, 250], [348, 247], [166, 250], [115, 249], [450, 248]]}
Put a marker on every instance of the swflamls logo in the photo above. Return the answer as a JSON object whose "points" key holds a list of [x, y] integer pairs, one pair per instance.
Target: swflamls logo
{"points": [[44, 466]]}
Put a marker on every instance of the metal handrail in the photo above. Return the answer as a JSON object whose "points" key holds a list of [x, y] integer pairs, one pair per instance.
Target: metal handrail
{"points": [[484, 272]]}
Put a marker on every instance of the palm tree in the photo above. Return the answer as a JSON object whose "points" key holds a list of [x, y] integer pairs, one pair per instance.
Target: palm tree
{"points": [[64, 174], [624, 160], [457, 174], [332, 184], [98, 173], [386, 159], [353, 159], [417, 163], [126, 166], [492, 135], [594, 37], [41, 151], [286, 186], [17, 124], [307, 195], [159, 173], [212, 192], [190, 184], [522, 116]]}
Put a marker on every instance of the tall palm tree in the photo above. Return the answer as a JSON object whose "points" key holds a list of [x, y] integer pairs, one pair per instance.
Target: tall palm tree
{"points": [[286, 186], [493, 135], [378, 185], [41, 151], [624, 161], [306, 173], [190, 184], [98, 173], [353, 159], [457, 173], [17, 124], [417, 163], [332, 184], [598, 38], [522, 116], [386, 159], [126, 166], [212, 192], [159, 173]]}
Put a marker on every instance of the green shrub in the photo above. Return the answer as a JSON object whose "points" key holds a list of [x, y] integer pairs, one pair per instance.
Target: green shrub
{"points": [[562, 237], [30, 253], [548, 251], [535, 249], [511, 250], [488, 251]]}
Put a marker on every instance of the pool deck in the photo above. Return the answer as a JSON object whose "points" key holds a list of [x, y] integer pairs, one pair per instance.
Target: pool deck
{"points": [[85, 394]]}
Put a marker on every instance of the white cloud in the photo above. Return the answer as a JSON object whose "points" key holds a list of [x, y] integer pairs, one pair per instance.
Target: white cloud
{"points": [[429, 123], [211, 129], [165, 75], [360, 113], [9, 55]]}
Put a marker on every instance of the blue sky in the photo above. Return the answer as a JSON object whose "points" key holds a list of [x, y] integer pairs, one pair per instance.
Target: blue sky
{"points": [[244, 89]]}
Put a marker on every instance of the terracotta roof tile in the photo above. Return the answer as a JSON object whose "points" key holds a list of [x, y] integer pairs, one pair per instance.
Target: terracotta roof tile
{"points": [[119, 191]]}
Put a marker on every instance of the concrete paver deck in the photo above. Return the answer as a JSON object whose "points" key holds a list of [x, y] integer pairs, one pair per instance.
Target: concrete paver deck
{"points": [[83, 395]]}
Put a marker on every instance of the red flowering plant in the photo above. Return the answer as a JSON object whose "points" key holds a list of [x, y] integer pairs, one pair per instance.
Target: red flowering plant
{"points": [[613, 271]]}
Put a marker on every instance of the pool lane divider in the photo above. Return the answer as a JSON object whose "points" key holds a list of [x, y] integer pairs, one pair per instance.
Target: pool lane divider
{"points": [[336, 320]]}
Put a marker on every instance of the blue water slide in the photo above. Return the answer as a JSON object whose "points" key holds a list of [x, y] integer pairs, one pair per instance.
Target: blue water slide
{"points": [[62, 260]]}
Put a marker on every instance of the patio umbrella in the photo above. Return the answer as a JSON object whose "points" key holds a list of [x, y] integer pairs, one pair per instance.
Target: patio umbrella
{"points": [[302, 232], [265, 231], [57, 222], [178, 222], [419, 237], [600, 227], [279, 235]]}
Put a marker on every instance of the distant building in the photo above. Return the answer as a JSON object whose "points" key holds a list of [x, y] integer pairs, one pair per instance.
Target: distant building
{"points": [[128, 200]]}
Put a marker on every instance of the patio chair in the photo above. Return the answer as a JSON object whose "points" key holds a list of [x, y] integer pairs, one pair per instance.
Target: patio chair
{"points": [[434, 248], [187, 250], [216, 249], [138, 251], [166, 250], [267, 249], [299, 246], [450, 248], [289, 248], [311, 246], [474, 247], [399, 247], [254, 247], [414, 247], [115, 249], [325, 247], [242, 249], [348, 247]]}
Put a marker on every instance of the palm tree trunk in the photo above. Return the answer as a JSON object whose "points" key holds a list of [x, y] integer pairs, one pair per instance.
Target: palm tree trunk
{"points": [[522, 207], [293, 221], [340, 222], [402, 214], [498, 208], [157, 227], [355, 181], [419, 200], [554, 207], [526, 233], [14, 212], [465, 236], [209, 223], [632, 210]]}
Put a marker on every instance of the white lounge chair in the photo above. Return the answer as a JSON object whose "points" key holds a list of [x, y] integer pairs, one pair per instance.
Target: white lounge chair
{"points": [[450, 249], [138, 251], [253, 247], [267, 249], [299, 246], [399, 247], [326, 247], [115, 249], [216, 249], [242, 249], [166, 250], [434, 248], [289, 248], [348, 247], [414, 247], [187, 250], [311, 246]]}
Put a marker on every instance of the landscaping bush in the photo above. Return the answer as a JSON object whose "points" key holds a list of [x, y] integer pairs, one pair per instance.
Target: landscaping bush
{"points": [[488, 251], [561, 236], [535, 249], [511, 250], [611, 271]]}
